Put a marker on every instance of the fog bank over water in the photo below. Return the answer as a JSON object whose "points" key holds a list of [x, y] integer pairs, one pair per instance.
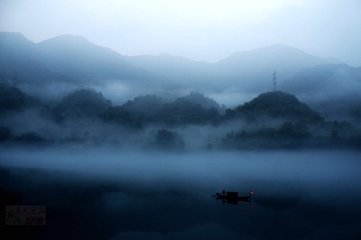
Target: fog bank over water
{"points": [[208, 168]]}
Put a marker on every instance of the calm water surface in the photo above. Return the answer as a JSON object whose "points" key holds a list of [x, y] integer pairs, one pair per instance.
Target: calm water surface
{"points": [[112, 194]]}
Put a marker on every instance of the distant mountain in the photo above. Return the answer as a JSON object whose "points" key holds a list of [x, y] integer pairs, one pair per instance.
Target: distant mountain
{"points": [[248, 70], [79, 59], [333, 90], [72, 60], [65, 58], [20, 62], [258, 65], [181, 70], [333, 79], [278, 57]]}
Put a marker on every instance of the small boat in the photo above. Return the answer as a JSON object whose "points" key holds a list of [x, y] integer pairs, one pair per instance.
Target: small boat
{"points": [[233, 197]]}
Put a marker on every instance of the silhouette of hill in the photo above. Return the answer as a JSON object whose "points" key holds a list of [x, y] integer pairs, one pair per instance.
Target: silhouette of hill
{"points": [[278, 105], [193, 108], [144, 106], [82, 103], [203, 101], [13, 99]]}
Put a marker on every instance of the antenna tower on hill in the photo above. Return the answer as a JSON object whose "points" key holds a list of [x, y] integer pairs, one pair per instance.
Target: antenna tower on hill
{"points": [[274, 80]]}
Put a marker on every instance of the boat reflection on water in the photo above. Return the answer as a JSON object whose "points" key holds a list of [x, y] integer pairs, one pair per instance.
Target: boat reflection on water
{"points": [[278, 204], [234, 197]]}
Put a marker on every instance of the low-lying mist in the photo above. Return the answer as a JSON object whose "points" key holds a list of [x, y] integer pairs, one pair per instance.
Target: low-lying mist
{"points": [[272, 120], [209, 169]]}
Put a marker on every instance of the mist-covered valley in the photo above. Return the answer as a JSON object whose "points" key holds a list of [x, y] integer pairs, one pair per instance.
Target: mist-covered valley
{"points": [[137, 147]]}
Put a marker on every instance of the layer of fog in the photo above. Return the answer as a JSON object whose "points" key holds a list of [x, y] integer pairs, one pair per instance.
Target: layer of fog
{"points": [[328, 169], [91, 132], [313, 90]]}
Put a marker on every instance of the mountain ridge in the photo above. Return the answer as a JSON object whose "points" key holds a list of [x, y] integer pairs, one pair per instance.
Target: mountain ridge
{"points": [[74, 60]]}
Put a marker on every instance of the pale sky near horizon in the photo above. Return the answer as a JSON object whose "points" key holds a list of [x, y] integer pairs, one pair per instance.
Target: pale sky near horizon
{"points": [[198, 29]]}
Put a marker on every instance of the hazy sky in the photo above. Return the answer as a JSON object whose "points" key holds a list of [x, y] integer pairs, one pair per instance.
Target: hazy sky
{"points": [[198, 29]]}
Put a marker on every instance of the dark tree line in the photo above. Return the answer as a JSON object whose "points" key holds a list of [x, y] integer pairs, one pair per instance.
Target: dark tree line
{"points": [[299, 125]]}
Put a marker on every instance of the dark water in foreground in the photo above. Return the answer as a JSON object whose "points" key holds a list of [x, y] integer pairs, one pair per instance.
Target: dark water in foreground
{"points": [[109, 194]]}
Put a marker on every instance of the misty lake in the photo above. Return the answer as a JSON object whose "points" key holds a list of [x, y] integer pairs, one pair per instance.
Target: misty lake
{"points": [[113, 194]]}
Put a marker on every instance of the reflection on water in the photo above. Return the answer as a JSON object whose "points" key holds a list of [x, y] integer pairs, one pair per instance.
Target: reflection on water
{"points": [[133, 196]]}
